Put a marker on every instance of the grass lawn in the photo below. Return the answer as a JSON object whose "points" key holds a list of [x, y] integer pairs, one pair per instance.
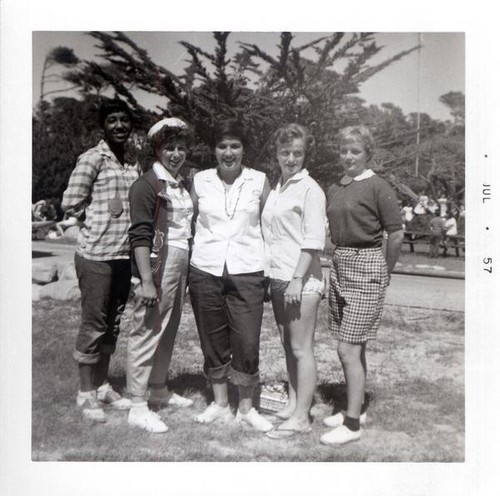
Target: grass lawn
{"points": [[415, 388]]}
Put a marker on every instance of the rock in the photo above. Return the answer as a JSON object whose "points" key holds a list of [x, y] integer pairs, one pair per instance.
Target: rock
{"points": [[72, 232], [35, 292], [65, 290], [44, 274], [66, 271]]}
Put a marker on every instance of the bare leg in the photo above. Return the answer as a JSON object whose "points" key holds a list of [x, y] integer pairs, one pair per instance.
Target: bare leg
{"points": [[101, 370], [280, 316], [354, 371], [299, 332], [363, 359], [245, 394], [219, 387]]}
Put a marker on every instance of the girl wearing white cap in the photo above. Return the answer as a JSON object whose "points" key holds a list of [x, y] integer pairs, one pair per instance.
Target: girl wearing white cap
{"points": [[161, 212]]}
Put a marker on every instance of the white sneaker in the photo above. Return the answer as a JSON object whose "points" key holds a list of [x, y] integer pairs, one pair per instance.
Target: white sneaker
{"points": [[144, 418], [340, 435], [90, 407], [255, 419], [107, 395], [214, 412], [180, 401], [338, 419], [169, 399]]}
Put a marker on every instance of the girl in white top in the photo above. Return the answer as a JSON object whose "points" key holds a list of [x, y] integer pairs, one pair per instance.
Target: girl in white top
{"points": [[226, 279], [293, 225]]}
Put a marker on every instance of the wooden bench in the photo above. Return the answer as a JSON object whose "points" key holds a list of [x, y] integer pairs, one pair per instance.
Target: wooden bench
{"points": [[456, 243], [413, 238]]}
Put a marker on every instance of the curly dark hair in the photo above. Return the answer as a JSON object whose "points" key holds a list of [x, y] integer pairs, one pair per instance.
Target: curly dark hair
{"points": [[229, 128], [112, 105]]}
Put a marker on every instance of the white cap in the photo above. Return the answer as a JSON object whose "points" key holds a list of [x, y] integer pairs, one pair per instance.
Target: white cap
{"points": [[173, 122]]}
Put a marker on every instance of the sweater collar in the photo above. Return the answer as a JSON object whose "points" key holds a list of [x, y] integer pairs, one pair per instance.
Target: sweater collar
{"points": [[364, 175], [345, 179]]}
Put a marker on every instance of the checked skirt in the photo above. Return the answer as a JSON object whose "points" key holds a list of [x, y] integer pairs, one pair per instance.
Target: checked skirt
{"points": [[358, 282]]}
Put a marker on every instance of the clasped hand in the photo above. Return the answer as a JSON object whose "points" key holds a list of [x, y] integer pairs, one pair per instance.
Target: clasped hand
{"points": [[293, 293], [149, 296]]}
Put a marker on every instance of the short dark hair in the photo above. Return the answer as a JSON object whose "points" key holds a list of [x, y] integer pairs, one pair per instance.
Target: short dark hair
{"points": [[169, 134], [112, 105], [229, 128]]}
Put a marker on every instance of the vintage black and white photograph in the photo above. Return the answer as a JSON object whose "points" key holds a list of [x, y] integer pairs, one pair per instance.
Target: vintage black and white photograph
{"points": [[318, 226], [249, 245]]}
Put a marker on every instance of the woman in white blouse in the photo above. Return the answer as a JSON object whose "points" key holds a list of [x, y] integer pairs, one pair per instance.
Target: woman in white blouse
{"points": [[226, 278], [293, 225]]}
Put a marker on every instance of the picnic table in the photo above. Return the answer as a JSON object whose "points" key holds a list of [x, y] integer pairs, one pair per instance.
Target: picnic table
{"points": [[413, 238]]}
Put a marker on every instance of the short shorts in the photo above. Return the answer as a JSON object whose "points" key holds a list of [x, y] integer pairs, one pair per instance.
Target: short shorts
{"points": [[311, 286]]}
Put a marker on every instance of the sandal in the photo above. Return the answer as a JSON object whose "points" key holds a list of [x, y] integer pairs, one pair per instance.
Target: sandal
{"points": [[278, 433]]}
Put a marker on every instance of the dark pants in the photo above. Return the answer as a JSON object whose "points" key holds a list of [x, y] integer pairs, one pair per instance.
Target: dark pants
{"points": [[104, 287], [434, 242], [228, 312]]}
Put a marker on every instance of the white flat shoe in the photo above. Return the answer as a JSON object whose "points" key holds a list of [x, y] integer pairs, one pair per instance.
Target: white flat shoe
{"points": [[214, 412], [144, 418], [254, 419], [340, 435]]}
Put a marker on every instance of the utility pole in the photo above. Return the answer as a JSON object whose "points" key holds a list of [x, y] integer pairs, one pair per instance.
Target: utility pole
{"points": [[420, 38]]}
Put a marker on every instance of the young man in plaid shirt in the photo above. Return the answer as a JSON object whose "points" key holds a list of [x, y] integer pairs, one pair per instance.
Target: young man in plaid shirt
{"points": [[98, 187]]}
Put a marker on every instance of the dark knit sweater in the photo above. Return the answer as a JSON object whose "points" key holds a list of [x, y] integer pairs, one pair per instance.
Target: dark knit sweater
{"points": [[148, 216], [359, 212]]}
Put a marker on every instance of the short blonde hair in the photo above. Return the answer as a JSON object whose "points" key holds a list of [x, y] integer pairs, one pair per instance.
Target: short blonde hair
{"points": [[287, 133], [361, 134]]}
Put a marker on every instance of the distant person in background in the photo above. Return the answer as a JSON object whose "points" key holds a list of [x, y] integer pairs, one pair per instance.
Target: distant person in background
{"points": [[407, 216], [443, 205], [67, 222], [421, 208], [43, 210], [161, 211], [450, 232], [99, 186], [436, 226], [433, 207], [293, 225], [360, 209]]}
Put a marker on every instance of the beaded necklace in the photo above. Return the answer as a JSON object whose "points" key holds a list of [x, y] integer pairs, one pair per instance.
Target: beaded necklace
{"points": [[227, 187], [230, 216]]}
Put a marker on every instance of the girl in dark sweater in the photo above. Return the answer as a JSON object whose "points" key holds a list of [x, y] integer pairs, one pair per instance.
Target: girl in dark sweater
{"points": [[359, 210]]}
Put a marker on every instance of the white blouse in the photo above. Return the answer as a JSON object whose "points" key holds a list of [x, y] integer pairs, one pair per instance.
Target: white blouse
{"points": [[294, 219], [228, 230], [179, 210]]}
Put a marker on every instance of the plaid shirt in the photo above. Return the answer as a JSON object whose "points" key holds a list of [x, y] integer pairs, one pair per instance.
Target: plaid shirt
{"points": [[98, 178]]}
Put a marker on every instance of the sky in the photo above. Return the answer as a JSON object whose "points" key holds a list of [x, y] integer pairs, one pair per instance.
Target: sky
{"points": [[441, 61]]}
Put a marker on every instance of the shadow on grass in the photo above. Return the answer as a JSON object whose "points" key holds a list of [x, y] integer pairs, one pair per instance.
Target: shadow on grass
{"points": [[41, 254], [335, 395], [180, 384]]}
